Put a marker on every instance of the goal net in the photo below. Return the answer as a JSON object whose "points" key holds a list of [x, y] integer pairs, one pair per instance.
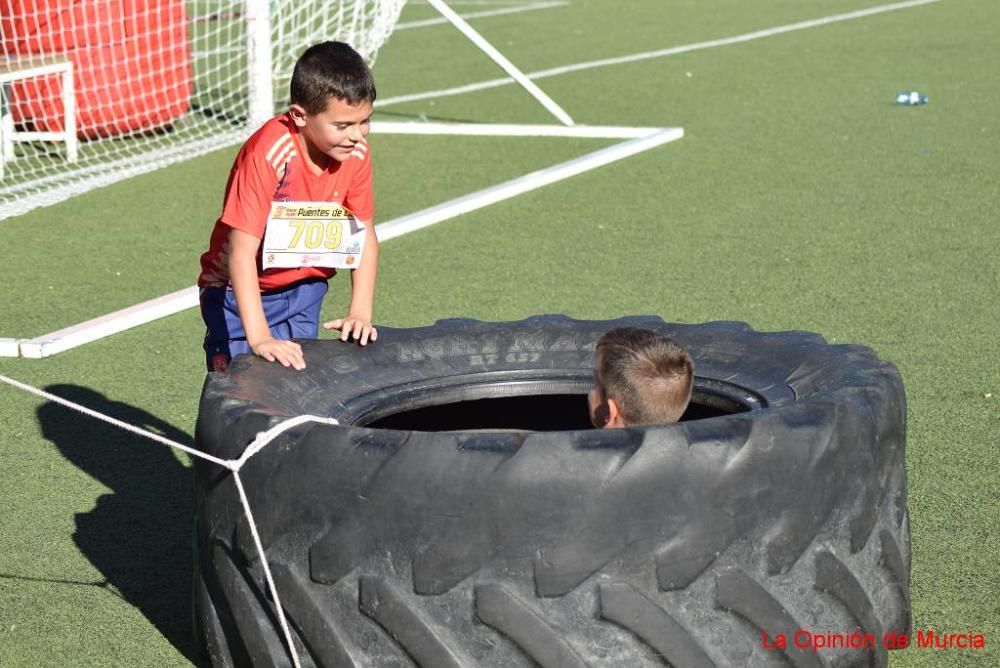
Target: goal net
{"points": [[94, 91]]}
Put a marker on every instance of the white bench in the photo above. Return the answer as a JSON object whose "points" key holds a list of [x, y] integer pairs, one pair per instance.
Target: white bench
{"points": [[22, 67]]}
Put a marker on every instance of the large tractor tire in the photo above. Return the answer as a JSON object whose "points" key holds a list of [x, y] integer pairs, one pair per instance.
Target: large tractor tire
{"points": [[462, 513]]}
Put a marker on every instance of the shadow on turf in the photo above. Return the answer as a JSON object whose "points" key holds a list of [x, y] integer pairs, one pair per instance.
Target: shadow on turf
{"points": [[139, 535]]}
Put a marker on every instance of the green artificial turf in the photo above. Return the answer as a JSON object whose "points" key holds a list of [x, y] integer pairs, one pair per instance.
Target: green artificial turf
{"points": [[800, 197]]}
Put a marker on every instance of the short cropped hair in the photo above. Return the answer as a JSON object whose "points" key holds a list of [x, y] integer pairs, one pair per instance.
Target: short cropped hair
{"points": [[648, 375], [331, 70]]}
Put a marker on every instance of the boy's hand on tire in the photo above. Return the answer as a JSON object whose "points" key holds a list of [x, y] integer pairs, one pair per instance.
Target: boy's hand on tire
{"points": [[287, 353], [353, 327]]}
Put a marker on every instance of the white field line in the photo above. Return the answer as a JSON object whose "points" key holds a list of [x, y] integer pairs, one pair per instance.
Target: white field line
{"points": [[641, 139], [515, 9], [425, 23], [659, 53]]}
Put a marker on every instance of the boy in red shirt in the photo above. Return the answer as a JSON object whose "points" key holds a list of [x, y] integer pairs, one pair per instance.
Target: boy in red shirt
{"points": [[298, 205]]}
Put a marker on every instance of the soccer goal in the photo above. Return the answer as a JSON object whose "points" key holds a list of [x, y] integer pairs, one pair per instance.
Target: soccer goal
{"points": [[93, 92]]}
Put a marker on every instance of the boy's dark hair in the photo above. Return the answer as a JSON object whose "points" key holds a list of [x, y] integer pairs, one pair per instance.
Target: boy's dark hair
{"points": [[331, 70], [648, 375]]}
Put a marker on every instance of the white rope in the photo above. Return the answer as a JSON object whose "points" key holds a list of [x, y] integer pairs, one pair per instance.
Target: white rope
{"points": [[260, 441], [116, 422], [267, 570], [265, 437]]}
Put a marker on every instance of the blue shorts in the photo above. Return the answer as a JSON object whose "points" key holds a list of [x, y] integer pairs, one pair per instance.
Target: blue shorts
{"points": [[291, 313]]}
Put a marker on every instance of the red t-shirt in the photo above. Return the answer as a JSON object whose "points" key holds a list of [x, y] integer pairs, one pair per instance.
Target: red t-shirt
{"points": [[269, 168]]}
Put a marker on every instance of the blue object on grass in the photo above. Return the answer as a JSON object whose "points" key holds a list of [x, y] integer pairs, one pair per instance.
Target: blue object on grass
{"points": [[910, 98]]}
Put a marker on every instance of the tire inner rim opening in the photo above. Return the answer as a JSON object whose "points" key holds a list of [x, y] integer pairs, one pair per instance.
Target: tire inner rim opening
{"points": [[515, 402]]}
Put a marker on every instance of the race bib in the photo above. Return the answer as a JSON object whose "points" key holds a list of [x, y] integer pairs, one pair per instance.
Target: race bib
{"points": [[312, 234]]}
